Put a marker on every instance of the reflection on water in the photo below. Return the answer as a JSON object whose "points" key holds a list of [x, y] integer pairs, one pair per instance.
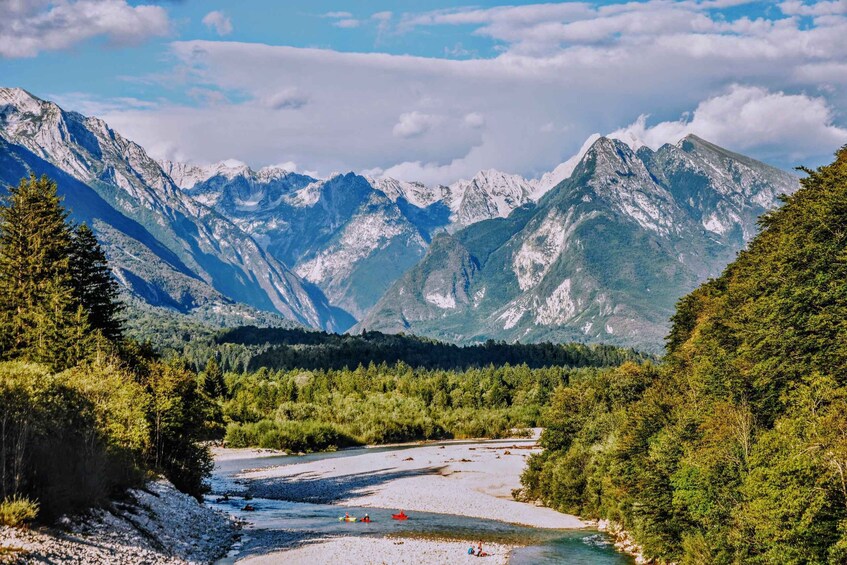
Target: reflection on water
{"points": [[305, 521]]}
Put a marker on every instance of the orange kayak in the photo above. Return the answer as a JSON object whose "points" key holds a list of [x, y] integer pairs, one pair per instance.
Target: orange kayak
{"points": [[400, 516]]}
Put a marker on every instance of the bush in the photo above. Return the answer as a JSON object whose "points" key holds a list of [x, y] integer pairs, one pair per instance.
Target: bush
{"points": [[288, 436], [15, 511], [54, 449]]}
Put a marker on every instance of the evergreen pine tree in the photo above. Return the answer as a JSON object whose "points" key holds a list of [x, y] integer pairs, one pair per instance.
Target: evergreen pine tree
{"points": [[40, 319], [94, 287], [213, 379]]}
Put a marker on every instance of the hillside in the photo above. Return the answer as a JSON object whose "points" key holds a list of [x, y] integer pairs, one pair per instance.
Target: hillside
{"points": [[735, 452]]}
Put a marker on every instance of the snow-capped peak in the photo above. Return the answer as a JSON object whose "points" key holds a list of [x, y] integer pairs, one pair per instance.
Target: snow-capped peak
{"points": [[562, 171], [186, 175], [21, 100], [415, 193]]}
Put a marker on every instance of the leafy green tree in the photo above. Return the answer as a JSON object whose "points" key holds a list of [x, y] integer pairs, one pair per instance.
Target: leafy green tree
{"points": [[176, 417]]}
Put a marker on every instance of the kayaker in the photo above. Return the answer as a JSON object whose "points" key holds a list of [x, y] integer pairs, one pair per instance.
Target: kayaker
{"points": [[367, 518]]}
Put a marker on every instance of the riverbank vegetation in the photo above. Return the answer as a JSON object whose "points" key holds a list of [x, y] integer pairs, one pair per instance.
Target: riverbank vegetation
{"points": [[735, 450], [84, 412], [313, 410]]}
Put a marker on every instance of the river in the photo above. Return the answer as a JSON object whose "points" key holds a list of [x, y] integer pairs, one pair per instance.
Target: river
{"points": [[280, 523]]}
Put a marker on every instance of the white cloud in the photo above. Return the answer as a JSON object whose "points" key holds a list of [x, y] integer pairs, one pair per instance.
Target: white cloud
{"points": [[750, 119], [414, 124], [218, 21], [826, 8], [474, 120], [28, 27], [290, 166], [338, 15], [565, 71], [347, 23]]}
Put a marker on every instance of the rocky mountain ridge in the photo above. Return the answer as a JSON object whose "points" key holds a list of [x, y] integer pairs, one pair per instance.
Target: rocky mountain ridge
{"points": [[166, 247], [603, 256], [595, 250]]}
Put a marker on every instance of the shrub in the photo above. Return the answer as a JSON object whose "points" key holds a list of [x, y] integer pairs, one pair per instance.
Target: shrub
{"points": [[15, 511]]}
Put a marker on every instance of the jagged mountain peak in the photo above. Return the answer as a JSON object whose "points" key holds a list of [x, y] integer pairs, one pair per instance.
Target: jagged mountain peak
{"points": [[602, 257], [188, 175], [21, 100], [488, 194], [564, 170], [202, 253]]}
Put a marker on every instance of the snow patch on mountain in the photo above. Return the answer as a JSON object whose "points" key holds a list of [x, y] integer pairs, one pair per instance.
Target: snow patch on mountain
{"points": [[511, 316], [542, 247], [361, 237]]}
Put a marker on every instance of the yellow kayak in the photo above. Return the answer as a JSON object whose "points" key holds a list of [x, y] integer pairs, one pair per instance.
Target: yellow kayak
{"points": [[347, 519]]}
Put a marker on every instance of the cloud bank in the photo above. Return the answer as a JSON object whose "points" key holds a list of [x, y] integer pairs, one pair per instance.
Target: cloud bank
{"points": [[770, 87]]}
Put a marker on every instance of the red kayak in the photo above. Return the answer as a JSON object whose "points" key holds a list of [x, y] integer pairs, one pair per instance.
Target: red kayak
{"points": [[400, 516]]}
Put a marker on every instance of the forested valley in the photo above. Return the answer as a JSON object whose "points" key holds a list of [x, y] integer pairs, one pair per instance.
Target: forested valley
{"points": [[731, 448], [97, 397]]}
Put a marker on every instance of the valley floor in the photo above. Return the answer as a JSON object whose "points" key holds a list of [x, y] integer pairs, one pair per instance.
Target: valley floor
{"points": [[461, 479]]}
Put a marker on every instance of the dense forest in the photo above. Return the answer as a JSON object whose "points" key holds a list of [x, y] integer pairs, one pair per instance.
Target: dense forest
{"points": [[735, 450], [301, 390], [309, 410], [249, 348], [84, 412]]}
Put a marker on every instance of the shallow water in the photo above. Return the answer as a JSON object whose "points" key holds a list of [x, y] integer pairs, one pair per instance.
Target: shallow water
{"points": [[305, 520]]}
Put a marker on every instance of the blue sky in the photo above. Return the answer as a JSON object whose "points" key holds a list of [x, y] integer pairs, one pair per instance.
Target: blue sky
{"points": [[434, 91]]}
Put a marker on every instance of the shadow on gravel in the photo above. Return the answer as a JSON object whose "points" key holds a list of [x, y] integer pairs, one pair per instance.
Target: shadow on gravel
{"points": [[317, 489]]}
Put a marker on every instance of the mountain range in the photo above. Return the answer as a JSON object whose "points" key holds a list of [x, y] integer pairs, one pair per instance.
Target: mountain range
{"points": [[598, 249], [601, 257]]}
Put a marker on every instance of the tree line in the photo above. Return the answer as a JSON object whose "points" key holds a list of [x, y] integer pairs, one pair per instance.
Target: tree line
{"points": [[308, 410], [84, 412], [249, 348]]}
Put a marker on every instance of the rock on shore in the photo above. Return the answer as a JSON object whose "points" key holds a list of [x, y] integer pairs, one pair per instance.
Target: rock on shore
{"points": [[155, 525]]}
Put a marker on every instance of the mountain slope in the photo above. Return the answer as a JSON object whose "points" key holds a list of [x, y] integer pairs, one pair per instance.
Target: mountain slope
{"points": [[341, 234], [601, 257], [734, 450], [166, 247]]}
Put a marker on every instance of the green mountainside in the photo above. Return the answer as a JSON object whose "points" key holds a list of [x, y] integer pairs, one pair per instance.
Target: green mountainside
{"points": [[736, 450]]}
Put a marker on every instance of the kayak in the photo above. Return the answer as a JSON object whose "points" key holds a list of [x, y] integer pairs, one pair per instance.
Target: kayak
{"points": [[350, 519], [399, 517]]}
